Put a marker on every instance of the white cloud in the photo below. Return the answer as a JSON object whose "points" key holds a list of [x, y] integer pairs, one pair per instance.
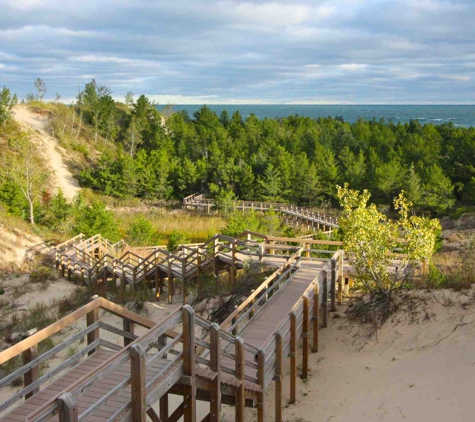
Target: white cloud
{"points": [[353, 66]]}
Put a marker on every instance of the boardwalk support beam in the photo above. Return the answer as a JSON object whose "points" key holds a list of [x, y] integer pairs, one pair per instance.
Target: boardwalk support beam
{"points": [[215, 366], [261, 380], [306, 310], [316, 316], [293, 357], [189, 393], [239, 367], [137, 383], [278, 377]]}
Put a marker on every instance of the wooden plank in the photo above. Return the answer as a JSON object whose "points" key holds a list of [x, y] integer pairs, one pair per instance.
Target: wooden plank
{"points": [[178, 413], [215, 365], [325, 299], [153, 415], [278, 377], [333, 285], [261, 380], [189, 393], [305, 329], [240, 369], [293, 357], [316, 316]]}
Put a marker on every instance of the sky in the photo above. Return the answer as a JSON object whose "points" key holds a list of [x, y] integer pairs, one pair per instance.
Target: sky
{"points": [[244, 52]]}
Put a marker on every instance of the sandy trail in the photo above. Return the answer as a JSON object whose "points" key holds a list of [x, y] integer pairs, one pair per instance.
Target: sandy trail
{"points": [[417, 369], [62, 177]]}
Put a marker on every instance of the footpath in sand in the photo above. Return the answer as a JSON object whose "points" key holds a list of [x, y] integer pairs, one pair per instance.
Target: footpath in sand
{"points": [[62, 177], [420, 366]]}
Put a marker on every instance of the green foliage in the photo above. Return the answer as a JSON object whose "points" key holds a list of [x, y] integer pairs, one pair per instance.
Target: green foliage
{"points": [[437, 192], [94, 219], [142, 233], [147, 154], [177, 238], [239, 221], [7, 102], [370, 238], [13, 198]]}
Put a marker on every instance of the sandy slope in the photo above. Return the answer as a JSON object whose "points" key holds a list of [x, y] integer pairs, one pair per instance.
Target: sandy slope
{"points": [[416, 369], [62, 177]]}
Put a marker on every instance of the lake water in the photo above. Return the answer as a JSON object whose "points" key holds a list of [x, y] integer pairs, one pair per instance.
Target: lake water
{"points": [[459, 115]]}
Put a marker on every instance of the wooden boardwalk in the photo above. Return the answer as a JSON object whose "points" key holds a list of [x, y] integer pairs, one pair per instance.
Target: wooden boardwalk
{"points": [[232, 363], [292, 214]]}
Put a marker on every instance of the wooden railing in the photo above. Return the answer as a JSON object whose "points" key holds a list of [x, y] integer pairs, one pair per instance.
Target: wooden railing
{"points": [[222, 352], [305, 215], [181, 365]]}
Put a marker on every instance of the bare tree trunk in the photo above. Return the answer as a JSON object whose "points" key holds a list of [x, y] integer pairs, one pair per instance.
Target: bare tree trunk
{"points": [[32, 212]]}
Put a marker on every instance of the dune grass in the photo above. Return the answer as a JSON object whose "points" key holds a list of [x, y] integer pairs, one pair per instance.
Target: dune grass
{"points": [[198, 227]]}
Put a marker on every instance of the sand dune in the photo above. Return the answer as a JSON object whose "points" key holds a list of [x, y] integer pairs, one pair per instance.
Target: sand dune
{"points": [[62, 177]]}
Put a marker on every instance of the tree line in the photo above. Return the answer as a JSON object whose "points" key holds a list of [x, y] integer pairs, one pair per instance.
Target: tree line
{"points": [[165, 155]]}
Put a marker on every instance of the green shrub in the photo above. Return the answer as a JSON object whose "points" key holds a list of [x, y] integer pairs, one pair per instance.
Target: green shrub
{"points": [[42, 274], [142, 233], [177, 238]]}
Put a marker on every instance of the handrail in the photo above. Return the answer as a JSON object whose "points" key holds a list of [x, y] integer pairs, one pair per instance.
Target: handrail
{"points": [[118, 358]]}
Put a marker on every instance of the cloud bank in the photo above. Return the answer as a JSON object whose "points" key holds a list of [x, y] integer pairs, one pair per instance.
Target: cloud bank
{"points": [[215, 52]]}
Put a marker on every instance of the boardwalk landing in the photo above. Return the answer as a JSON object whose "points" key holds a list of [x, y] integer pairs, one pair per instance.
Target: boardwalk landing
{"points": [[232, 364]]}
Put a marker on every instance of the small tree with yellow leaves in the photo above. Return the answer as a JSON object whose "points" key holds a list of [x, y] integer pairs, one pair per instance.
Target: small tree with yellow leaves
{"points": [[370, 241]]}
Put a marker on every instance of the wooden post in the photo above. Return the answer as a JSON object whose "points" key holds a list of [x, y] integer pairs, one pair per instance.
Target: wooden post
{"points": [[261, 380], [189, 397], [114, 274], [68, 408], [198, 273], [306, 311], [164, 412], [137, 383], [325, 300], [271, 251], [123, 285], [34, 373], [134, 276], [128, 327], [233, 321], [215, 366], [183, 283], [215, 255], [278, 377], [170, 281], [233, 263], [293, 357], [91, 318], [316, 316], [333, 286], [251, 314], [240, 369], [307, 252], [340, 269]]}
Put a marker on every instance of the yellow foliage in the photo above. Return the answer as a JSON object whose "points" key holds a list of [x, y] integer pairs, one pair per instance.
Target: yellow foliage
{"points": [[370, 240]]}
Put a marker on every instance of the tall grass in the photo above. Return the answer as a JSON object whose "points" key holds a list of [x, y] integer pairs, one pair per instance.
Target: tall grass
{"points": [[197, 227]]}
